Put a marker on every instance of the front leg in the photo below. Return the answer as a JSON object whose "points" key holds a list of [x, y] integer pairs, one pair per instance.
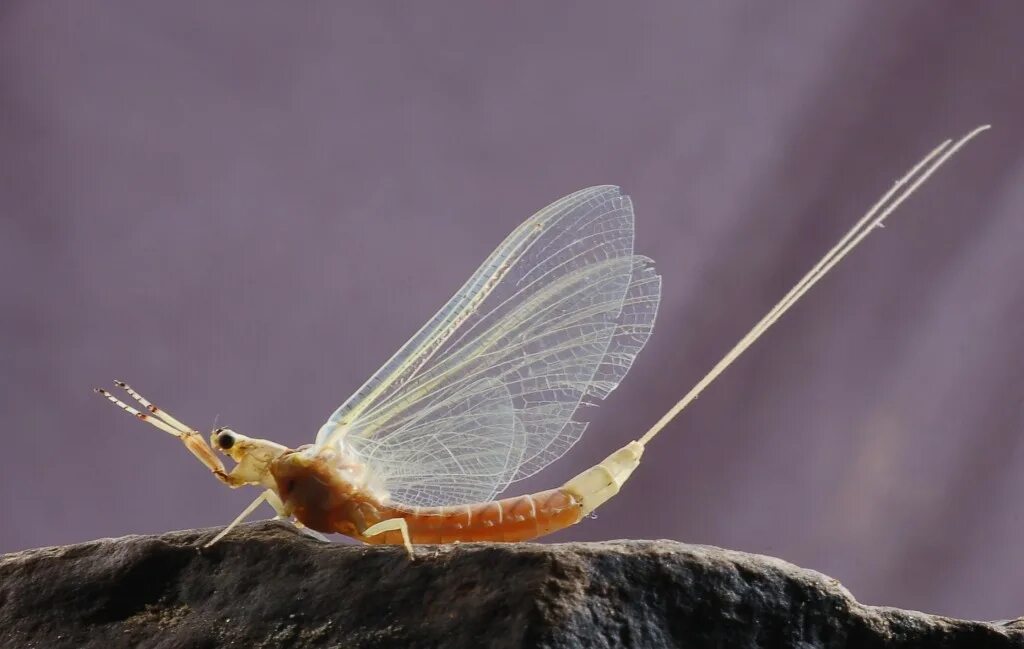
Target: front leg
{"points": [[192, 440]]}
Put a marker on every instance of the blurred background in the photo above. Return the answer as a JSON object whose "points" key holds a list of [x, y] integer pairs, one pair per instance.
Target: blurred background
{"points": [[244, 208]]}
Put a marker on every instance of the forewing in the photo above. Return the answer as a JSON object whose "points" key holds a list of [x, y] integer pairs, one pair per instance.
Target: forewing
{"points": [[484, 394], [454, 449]]}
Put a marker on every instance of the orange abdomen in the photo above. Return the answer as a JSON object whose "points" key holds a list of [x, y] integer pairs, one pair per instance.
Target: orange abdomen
{"points": [[508, 520]]}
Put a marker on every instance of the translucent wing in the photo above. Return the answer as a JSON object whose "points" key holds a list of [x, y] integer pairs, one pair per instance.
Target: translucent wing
{"points": [[484, 393]]}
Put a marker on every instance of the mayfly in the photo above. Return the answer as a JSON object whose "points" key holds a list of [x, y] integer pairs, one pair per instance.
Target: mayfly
{"points": [[483, 395]]}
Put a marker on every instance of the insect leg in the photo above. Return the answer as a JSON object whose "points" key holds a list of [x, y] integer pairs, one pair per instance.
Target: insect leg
{"points": [[282, 514], [391, 525], [275, 501], [192, 440], [162, 414], [309, 531], [241, 517]]}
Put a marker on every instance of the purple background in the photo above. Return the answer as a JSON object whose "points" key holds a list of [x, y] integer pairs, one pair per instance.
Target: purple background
{"points": [[244, 208]]}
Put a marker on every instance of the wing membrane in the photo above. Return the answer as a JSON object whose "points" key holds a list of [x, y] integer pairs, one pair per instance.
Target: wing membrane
{"points": [[484, 394], [454, 449]]}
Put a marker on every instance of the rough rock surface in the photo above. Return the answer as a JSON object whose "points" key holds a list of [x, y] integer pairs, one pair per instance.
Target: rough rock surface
{"points": [[267, 586]]}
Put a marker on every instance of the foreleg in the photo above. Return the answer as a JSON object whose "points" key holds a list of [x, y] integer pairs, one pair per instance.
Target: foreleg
{"points": [[161, 419]]}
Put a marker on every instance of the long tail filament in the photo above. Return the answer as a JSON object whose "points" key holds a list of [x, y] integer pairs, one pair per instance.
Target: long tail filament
{"points": [[875, 218]]}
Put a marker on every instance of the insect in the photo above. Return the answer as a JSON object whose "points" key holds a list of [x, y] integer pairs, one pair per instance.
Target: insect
{"points": [[483, 395]]}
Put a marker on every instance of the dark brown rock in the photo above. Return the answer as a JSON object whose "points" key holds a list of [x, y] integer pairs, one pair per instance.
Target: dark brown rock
{"points": [[267, 586]]}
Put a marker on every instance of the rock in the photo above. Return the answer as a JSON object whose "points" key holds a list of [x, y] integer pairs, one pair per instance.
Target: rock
{"points": [[265, 585]]}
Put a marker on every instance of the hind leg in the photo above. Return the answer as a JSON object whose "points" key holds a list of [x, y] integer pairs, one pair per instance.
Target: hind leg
{"points": [[393, 525]]}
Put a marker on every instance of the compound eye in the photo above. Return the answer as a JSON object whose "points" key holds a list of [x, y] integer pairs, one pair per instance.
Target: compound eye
{"points": [[225, 440]]}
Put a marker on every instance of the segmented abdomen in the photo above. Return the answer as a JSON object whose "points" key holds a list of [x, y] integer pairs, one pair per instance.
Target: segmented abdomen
{"points": [[511, 519]]}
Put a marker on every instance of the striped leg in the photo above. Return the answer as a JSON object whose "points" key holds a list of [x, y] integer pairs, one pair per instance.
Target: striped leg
{"points": [[192, 440]]}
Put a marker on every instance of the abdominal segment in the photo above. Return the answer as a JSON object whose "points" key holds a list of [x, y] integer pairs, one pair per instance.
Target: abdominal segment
{"points": [[511, 519]]}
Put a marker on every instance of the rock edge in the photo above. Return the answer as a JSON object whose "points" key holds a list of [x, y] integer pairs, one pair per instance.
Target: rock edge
{"points": [[265, 585]]}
